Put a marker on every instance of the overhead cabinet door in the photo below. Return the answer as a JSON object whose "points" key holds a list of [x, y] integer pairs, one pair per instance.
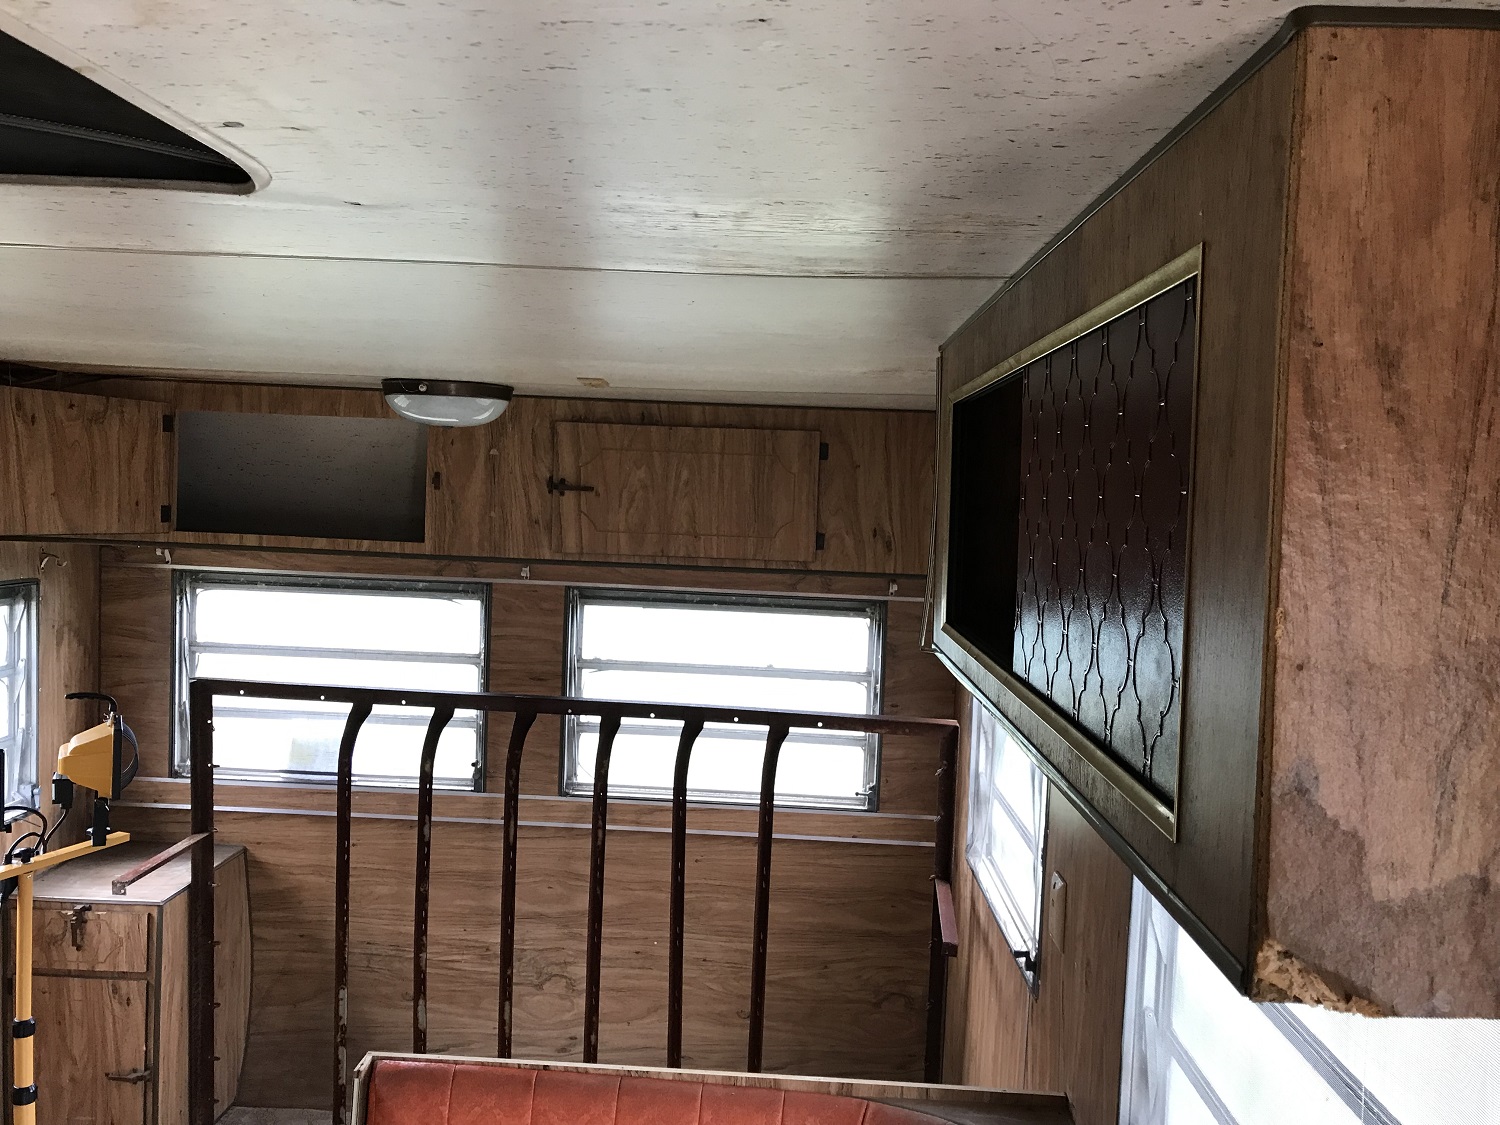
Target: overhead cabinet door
{"points": [[685, 492], [81, 464]]}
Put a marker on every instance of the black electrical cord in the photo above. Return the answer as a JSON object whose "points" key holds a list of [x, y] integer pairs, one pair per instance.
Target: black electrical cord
{"points": [[47, 839], [29, 811], [10, 854]]}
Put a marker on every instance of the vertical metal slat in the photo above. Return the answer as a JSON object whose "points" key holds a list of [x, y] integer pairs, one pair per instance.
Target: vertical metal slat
{"points": [[201, 908], [609, 726], [691, 728], [942, 873], [440, 719], [774, 740], [358, 713], [520, 728]]}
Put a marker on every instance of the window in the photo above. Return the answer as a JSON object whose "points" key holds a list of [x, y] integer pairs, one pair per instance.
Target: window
{"points": [[18, 692], [1007, 824], [730, 652], [1196, 1051], [416, 635]]}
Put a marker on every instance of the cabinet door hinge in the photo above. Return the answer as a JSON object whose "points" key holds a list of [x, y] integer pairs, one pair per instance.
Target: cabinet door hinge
{"points": [[820, 542], [166, 513], [168, 423], [822, 451]]}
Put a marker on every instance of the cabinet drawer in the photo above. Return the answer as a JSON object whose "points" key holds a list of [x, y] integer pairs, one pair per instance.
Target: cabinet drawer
{"points": [[106, 939]]}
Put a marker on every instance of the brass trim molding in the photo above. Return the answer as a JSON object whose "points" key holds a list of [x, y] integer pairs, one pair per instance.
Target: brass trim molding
{"points": [[948, 642]]}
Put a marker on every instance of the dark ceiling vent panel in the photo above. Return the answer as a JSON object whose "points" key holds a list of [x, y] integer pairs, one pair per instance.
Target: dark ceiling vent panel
{"points": [[58, 124]]}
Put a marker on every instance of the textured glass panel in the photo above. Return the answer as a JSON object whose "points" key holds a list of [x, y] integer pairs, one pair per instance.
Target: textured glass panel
{"points": [[760, 692], [1007, 818], [727, 767], [406, 637], [714, 635], [294, 617], [753, 654]]}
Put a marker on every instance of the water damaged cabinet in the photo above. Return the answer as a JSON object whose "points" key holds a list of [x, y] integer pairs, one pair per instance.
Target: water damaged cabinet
{"points": [[1217, 523]]}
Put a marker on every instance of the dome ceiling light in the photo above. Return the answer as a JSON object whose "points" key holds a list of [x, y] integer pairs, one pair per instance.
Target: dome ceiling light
{"points": [[436, 402]]}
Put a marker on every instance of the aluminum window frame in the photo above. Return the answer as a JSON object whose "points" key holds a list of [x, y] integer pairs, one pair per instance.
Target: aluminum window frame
{"points": [[19, 680], [578, 597], [1023, 935], [186, 583]]}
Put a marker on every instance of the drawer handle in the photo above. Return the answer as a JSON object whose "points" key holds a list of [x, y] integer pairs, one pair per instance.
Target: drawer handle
{"points": [[131, 1076]]}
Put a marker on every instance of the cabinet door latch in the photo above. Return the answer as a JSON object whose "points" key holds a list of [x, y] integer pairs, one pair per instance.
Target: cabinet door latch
{"points": [[559, 485], [133, 1077], [78, 918]]}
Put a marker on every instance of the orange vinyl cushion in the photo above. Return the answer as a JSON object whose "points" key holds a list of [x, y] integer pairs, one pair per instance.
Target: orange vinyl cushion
{"points": [[436, 1092]]}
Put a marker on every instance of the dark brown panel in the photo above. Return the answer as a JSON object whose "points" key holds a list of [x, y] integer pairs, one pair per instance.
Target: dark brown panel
{"points": [[1224, 185], [1101, 559]]}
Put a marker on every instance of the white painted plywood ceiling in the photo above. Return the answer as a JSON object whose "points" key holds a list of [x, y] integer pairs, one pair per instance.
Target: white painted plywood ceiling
{"points": [[745, 201]]}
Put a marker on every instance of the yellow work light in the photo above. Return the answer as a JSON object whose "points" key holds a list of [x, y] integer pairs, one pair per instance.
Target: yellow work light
{"points": [[94, 759]]}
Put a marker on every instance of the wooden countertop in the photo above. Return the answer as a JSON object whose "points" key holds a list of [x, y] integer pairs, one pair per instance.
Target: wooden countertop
{"points": [[87, 879]]}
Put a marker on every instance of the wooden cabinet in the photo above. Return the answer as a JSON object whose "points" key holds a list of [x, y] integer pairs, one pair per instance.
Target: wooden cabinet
{"points": [[81, 464], [1321, 608], [695, 492], [110, 988]]}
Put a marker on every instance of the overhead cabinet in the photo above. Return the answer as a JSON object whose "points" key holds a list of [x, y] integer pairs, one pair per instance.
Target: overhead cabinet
{"points": [[1217, 526], [84, 465], [690, 492]]}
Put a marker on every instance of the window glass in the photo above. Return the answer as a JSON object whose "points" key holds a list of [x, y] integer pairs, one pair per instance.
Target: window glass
{"points": [[18, 690], [419, 636], [1007, 827], [730, 652], [1195, 1050]]}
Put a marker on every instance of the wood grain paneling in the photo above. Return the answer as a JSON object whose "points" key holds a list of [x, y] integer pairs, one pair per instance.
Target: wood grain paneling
{"points": [[82, 465], [74, 1083], [527, 640], [67, 647], [856, 913], [1384, 849], [1067, 1036], [1223, 184], [108, 940], [874, 491], [711, 493]]}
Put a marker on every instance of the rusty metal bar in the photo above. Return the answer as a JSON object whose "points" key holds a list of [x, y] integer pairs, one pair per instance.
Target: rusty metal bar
{"points": [[520, 728], [440, 719], [565, 705], [122, 884], [947, 786], [937, 987], [947, 916], [609, 726], [677, 925], [343, 845], [943, 943], [774, 740], [201, 944]]}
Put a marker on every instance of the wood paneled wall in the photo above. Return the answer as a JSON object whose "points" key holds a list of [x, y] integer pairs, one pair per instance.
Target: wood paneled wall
{"points": [[67, 646], [1067, 1036], [487, 494], [850, 896]]}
